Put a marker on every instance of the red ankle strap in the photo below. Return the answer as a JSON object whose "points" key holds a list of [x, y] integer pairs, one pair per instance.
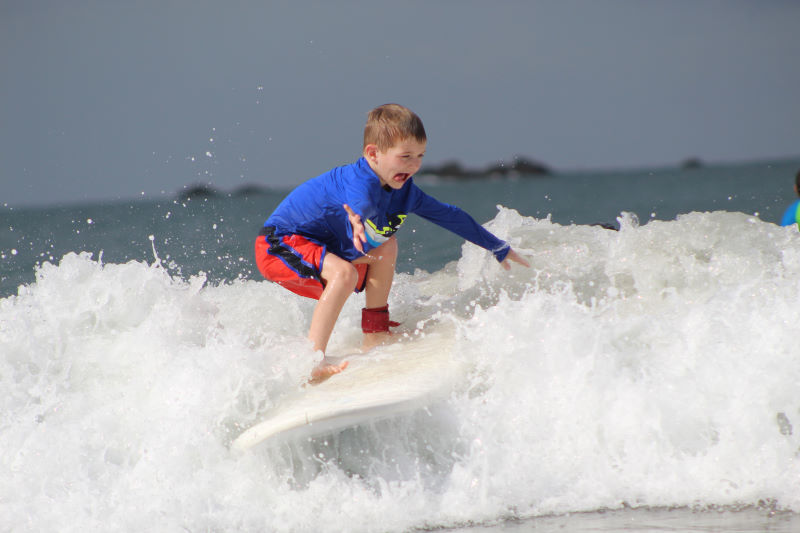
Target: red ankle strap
{"points": [[376, 320]]}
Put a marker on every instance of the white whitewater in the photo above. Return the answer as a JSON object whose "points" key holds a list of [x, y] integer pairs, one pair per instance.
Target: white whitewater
{"points": [[654, 366]]}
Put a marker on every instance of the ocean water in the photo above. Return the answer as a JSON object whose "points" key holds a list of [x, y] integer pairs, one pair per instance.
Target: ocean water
{"points": [[634, 380]]}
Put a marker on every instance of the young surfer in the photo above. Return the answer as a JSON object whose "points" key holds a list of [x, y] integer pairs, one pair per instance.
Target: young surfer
{"points": [[334, 234]]}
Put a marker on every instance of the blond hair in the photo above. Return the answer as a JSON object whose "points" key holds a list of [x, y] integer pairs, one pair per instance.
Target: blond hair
{"points": [[391, 123]]}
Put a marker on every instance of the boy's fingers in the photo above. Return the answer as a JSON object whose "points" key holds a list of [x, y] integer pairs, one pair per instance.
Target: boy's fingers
{"points": [[350, 212], [521, 260], [358, 228], [359, 238], [514, 256]]}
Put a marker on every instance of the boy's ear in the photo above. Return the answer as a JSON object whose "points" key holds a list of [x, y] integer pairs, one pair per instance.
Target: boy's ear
{"points": [[371, 152]]}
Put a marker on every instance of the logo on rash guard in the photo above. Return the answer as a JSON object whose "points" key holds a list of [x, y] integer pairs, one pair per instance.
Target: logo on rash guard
{"points": [[377, 236]]}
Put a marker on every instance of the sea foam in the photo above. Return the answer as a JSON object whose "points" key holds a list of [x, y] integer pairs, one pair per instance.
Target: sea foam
{"points": [[652, 366]]}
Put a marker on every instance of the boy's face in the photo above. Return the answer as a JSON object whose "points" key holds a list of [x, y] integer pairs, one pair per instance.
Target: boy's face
{"points": [[398, 163]]}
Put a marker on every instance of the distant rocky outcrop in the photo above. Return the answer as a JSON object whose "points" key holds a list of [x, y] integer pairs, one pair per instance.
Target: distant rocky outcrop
{"points": [[202, 192], [250, 190], [692, 162], [519, 166], [191, 192]]}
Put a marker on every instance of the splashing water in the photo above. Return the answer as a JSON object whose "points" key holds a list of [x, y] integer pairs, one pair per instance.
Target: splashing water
{"points": [[653, 366]]}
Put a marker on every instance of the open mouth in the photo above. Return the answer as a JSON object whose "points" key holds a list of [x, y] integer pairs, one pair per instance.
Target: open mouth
{"points": [[400, 178]]}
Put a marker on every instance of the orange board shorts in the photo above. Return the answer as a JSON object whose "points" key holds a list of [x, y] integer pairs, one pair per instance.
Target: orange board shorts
{"points": [[295, 262]]}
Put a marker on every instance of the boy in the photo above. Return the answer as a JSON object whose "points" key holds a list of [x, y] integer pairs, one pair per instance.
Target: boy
{"points": [[334, 234]]}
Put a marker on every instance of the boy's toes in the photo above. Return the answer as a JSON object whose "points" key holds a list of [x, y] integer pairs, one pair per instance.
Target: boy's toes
{"points": [[323, 371]]}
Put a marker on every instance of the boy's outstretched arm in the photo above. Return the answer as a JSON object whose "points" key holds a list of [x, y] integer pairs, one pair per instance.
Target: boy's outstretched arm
{"points": [[514, 256]]}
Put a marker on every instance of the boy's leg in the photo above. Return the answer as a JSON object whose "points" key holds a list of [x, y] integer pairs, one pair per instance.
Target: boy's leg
{"points": [[340, 281], [285, 260], [380, 275], [381, 261]]}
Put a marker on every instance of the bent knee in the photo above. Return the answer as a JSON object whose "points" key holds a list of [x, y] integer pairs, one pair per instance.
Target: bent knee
{"points": [[340, 272], [349, 276]]}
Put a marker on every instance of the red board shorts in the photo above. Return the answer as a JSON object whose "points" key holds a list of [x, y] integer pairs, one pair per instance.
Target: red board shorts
{"points": [[295, 263]]}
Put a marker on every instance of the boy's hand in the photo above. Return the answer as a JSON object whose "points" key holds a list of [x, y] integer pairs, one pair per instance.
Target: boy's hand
{"points": [[359, 236], [514, 256]]}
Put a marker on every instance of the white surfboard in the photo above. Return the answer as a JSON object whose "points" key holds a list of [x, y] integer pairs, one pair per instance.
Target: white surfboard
{"points": [[401, 377]]}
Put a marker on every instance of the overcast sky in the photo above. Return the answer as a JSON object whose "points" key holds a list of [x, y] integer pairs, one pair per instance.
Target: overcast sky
{"points": [[118, 99]]}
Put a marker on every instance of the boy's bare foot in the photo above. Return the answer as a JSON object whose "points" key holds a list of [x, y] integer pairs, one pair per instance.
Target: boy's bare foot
{"points": [[324, 370], [371, 340]]}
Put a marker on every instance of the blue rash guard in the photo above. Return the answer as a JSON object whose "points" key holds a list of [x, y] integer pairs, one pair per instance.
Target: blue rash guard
{"points": [[792, 214], [315, 210]]}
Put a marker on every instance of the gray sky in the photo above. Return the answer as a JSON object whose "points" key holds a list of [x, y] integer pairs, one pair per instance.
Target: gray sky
{"points": [[112, 99]]}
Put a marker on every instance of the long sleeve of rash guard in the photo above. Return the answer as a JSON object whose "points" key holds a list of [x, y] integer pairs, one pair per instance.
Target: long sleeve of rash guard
{"points": [[461, 223]]}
